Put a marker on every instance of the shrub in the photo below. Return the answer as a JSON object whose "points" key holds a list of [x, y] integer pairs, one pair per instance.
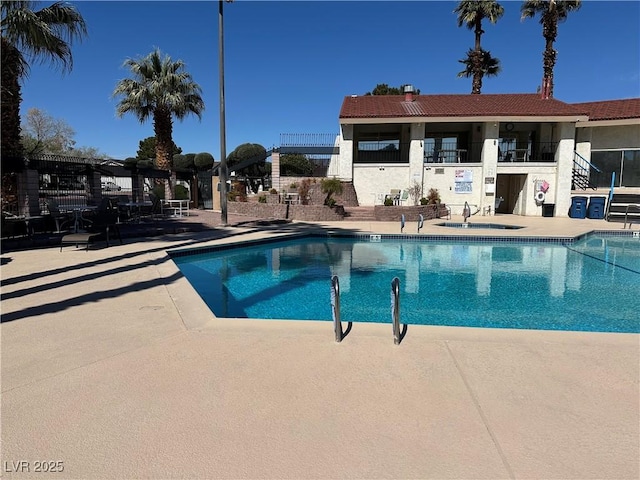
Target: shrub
{"points": [[273, 191], [415, 191], [293, 185], [331, 186], [262, 199], [433, 196], [239, 190], [181, 192], [303, 191], [158, 191], [388, 202], [331, 202], [423, 201]]}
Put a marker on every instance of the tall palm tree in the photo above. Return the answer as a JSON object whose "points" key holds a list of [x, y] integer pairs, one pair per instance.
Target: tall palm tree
{"points": [[551, 13], [28, 36], [479, 64], [160, 89], [471, 13]]}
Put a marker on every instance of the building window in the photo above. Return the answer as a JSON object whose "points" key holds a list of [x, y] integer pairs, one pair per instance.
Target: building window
{"points": [[441, 149], [624, 163], [380, 148]]}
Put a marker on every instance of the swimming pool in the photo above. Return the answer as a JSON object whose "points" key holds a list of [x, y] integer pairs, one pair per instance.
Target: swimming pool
{"points": [[590, 285]]}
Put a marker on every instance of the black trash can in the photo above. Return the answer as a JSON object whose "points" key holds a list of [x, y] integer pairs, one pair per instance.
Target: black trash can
{"points": [[596, 207], [548, 209], [578, 207]]}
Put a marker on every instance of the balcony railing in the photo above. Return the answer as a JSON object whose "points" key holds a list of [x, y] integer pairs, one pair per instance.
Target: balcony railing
{"points": [[455, 153], [539, 152]]}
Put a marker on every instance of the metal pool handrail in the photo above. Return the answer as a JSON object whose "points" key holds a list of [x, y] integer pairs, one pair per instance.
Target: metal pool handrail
{"points": [[395, 309], [335, 307]]}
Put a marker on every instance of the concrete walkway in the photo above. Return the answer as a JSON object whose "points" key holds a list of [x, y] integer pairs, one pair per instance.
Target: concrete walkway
{"points": [[113, 367]]}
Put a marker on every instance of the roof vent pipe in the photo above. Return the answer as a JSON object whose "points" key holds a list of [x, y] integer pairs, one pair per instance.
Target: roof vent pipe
{"points": [[408, 93]]}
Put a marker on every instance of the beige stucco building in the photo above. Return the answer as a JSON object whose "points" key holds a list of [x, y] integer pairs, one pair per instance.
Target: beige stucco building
{"points": [[526, 150]]}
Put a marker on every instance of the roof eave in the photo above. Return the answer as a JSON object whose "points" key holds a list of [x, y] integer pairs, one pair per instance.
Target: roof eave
{"points": [[610, 123], [464, 119]]}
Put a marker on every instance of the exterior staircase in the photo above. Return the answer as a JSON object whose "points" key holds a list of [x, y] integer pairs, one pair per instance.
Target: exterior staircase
{"points": [[584, 174], [623, 207], [359, 214]]}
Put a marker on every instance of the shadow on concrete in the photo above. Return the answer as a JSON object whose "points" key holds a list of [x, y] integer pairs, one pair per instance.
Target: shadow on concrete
{"points": [[183, 240], [93, 297]]}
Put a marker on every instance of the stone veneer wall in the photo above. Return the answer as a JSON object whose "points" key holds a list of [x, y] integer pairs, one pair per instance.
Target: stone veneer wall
{"points": [[385, 213], [318, 213]]}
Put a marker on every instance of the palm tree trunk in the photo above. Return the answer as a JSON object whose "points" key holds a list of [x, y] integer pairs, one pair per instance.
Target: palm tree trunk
{"points": [[476, 83], [11, 148], [163, 128], [550, 33], [11, 98]]}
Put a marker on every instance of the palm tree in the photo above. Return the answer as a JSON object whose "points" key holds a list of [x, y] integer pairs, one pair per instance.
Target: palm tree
{"points": [[551, 13], [479, 64], [159, 89], [28, 36], [471, 13]]}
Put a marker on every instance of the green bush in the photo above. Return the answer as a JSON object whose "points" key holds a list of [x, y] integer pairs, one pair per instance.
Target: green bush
{"points": [[181, 192], [424, 201], [273, 191], [262, 199], [388, 202], [158, 191], [331, 186]]}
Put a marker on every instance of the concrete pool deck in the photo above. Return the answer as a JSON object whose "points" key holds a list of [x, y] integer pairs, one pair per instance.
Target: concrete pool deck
{"points": [[112, 365]]}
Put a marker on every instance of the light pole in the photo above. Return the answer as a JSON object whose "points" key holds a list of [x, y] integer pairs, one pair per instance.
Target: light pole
{"points": [[223, 142]]}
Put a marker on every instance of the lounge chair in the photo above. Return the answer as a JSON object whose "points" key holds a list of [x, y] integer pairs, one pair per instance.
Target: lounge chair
{"points": [[102, 223]]}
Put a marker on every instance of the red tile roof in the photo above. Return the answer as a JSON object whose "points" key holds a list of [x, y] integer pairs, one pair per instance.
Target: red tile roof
{"points": [[612, 109], [491, 105]]}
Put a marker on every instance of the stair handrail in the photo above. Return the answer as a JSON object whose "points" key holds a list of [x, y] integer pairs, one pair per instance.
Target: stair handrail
{"points": [[591, 165], [613, 181], [626, 214]]}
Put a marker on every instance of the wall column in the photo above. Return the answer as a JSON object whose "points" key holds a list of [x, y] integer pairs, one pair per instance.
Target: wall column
{"points": [[28, 193], [416, 159], [564, 159], [345, 162], [275, 170], [489, 158]]}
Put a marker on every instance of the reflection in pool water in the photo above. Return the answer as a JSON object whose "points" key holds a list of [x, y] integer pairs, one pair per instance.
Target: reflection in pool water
{"points": [[493, 226]]}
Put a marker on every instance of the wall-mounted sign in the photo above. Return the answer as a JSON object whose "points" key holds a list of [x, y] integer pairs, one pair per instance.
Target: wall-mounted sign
{"points": [[464, 181], [464, 175], [489, 185]]}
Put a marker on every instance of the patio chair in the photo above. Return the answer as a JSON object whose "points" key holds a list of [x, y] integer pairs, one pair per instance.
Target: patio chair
{"points": [[60, 218], [404, 196], [102, 223], [394, 194]]}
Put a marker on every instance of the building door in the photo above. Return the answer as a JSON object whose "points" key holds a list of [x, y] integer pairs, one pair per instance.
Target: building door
{"points": [[509, 187]]}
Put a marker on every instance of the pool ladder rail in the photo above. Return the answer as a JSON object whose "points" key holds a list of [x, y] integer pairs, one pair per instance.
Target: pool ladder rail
{"points": [[403, 219], [398, 333]]}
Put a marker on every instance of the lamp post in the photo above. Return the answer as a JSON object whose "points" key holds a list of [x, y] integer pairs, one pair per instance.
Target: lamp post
{"points": [[223, 142]]}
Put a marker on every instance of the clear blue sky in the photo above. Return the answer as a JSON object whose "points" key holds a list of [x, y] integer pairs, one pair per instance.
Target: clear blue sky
{"points": [[288, 65]]}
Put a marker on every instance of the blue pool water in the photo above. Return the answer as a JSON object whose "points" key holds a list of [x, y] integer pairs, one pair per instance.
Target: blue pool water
{"points": [[590, 285]]}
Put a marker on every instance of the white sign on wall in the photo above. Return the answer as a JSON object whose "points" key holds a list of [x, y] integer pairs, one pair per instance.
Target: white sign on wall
{"points": [[464, 181]]}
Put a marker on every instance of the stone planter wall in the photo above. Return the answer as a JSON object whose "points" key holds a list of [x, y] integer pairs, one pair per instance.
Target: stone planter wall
{"points": [[393, 213], [310, 213]]}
